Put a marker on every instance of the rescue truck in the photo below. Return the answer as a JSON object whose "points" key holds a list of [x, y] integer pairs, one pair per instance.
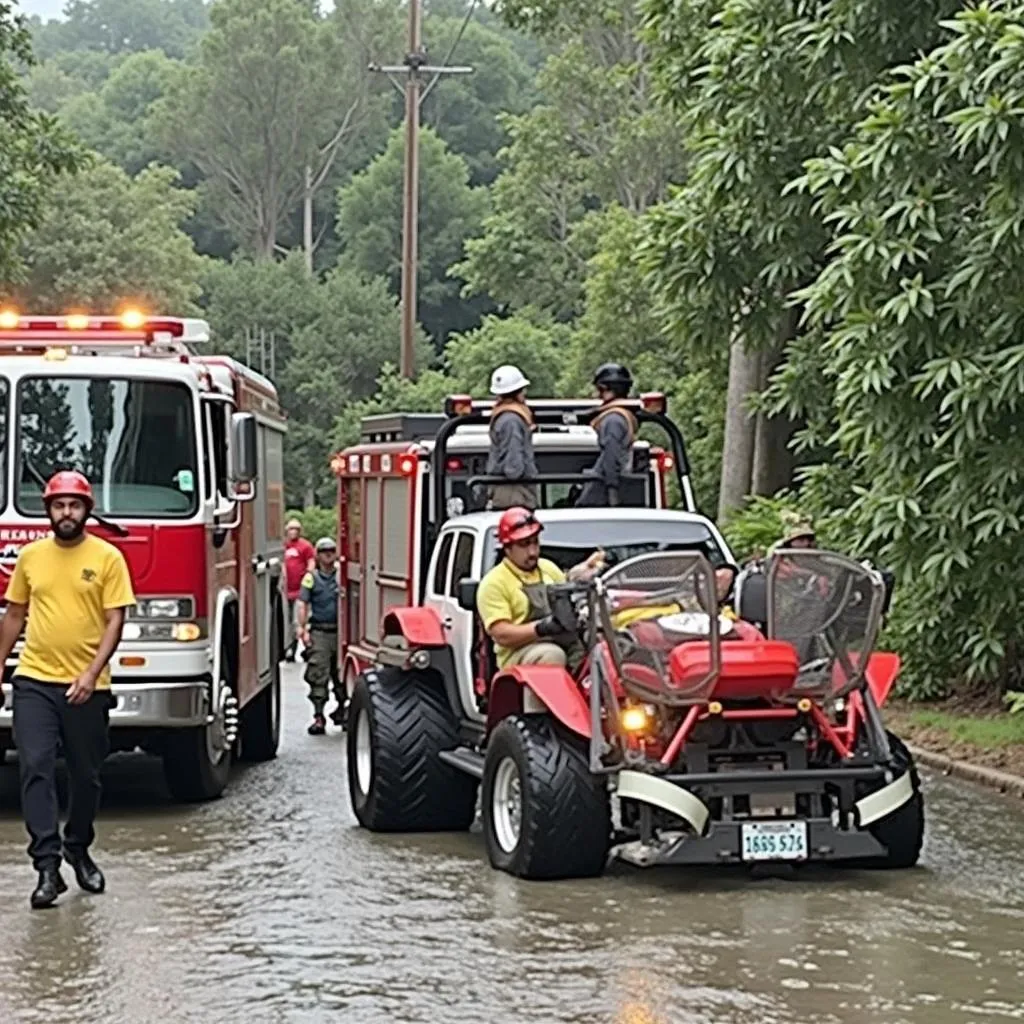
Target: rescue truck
{"points": [[185, 455], [410, 472]]}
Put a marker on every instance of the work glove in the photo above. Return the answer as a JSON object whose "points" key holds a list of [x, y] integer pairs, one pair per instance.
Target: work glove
{"points": [[548, 627]]}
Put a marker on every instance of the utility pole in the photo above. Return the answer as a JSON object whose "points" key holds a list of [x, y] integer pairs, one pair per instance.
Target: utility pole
{"points": [[413, 67]]}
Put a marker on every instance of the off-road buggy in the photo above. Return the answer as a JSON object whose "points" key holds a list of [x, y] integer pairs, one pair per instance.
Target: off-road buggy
{"points": [[684, 736]]}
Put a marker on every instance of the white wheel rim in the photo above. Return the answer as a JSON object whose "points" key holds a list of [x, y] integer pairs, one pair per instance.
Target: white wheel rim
{"points": [[507, 805], [364, 753]]}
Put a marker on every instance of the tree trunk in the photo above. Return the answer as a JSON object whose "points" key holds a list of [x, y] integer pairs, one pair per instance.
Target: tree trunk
{"points": [[738, 446], [773, 460], [307, 220]]}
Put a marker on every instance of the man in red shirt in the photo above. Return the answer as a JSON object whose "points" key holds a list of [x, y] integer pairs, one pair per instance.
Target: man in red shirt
{"points": [[299, 558]]}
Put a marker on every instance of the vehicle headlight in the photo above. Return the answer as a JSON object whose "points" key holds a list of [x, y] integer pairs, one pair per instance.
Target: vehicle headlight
{"points": [[164, 618]]}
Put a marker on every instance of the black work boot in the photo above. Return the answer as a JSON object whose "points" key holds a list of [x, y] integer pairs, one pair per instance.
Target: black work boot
{"points": [[318, 726], [48, 888], [339, 716], [89, 877]]}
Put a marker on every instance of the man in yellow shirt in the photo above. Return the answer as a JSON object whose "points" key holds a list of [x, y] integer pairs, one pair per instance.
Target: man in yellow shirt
{"points": [[512, 598], [72, 590]]}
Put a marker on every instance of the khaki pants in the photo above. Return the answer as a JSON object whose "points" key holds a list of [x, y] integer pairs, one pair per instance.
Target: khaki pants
{"points": [[540, 653], [322, 669], [511, 495]]}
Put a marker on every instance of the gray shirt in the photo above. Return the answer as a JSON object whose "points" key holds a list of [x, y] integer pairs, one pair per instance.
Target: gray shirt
{"points": [[511, 454], [615, 442]]}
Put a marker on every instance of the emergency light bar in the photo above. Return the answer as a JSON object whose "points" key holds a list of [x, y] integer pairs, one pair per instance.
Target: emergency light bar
{"points": [[78, 327]]}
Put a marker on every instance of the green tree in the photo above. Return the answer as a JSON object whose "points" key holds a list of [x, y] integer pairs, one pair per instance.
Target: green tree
{"points": [[115, 120], [107, 239], [370, 219], [917, 323], [335, 360], [33, 150], [272, 97], [464, 109], [761, 86]]}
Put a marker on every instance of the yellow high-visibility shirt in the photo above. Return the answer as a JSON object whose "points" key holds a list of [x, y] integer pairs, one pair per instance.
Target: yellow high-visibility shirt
{"points": [[500, 597], [68, 591]]}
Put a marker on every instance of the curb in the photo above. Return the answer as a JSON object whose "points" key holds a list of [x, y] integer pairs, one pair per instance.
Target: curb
{"points": [[1004, 782]]}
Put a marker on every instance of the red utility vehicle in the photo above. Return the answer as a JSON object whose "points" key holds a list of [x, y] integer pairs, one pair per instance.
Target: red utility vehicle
{"points": [[683, 735], [185, 456]]}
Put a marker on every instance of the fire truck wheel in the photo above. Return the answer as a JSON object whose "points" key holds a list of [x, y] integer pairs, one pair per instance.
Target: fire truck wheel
{"points": [[545, 815], [260, 734], [398, 724], [902, 832]]}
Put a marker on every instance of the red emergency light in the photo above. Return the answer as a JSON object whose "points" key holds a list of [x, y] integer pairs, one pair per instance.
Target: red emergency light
{"points": [[653, 402], [666, 461], [130, 322], [407, 464], [458, 405]]}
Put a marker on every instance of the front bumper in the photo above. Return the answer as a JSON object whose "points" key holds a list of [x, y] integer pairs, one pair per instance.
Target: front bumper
{"points": [[170, 689], [708, 841]]}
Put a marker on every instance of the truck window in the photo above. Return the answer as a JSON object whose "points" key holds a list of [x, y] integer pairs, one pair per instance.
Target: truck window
{"points": [[134, 439], [441, 565], [462, 561]]}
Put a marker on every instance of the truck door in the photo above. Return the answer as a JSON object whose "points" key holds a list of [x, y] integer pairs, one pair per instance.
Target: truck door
{"points": [[262, 561], [456, 559]]}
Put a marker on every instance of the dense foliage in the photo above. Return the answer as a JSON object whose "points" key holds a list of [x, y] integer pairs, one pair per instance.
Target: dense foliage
{"points": [[800, 218]]}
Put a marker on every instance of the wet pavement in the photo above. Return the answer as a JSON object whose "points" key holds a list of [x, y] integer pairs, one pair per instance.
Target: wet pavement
{"points": [[270, 905]]}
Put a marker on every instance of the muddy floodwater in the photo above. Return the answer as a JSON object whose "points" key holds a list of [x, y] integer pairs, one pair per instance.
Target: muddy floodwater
{"points": [[271, 905]]}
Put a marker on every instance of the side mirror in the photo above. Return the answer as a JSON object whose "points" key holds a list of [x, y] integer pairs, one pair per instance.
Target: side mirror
{"points": [[244, 463], [467, 594]]}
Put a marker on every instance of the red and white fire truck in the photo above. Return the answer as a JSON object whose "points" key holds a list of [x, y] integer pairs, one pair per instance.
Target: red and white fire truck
{"points": [[185, 455], [410, 472]]}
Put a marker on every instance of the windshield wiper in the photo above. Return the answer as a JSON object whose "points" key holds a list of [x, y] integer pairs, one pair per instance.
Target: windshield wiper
{"points": [[116, 528]]}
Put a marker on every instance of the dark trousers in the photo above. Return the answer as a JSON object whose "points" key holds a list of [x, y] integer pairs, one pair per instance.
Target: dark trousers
{"points": [[44, 720], [290, 630]]}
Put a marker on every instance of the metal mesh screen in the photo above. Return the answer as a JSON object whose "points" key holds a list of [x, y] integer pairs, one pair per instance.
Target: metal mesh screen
{"points": [[829, 608], [650, 604]]}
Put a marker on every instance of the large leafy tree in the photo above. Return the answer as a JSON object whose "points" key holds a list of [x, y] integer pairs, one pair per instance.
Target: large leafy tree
{"points": [[107, 240], [370, 225], [274, 96], [918, 318], [33, 150], [763, 86]]}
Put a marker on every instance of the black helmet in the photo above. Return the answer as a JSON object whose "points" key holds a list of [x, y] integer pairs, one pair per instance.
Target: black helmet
{"points": [[615, 377]]}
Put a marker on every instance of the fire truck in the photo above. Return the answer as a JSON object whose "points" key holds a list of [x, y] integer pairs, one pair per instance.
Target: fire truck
{"points": [[411, 472], [185, 455]]}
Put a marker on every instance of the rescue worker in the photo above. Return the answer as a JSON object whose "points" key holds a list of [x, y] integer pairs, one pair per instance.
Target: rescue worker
{"points": [[72, 591], [799, 531], [616, 428], [511, 433], [513, 600], [299, 558], [318, 629]]}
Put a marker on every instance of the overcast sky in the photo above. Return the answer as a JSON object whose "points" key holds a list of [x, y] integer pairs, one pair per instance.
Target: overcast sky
{"points": [[44, 8]]}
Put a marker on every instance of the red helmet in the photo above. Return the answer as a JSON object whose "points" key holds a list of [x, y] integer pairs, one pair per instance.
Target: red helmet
{"points": [[516, 524], [69, 484]]}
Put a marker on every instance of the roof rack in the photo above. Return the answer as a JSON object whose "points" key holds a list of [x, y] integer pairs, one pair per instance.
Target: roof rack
{"points": [[554, 411]]}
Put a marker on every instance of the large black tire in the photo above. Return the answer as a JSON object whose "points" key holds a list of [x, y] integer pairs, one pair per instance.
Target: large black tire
{"points": [[902, 832], [565, 818], [398, 723], [191, 774], [260, 734]]}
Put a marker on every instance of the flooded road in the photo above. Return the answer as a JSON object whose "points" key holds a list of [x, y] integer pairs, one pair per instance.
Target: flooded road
{"points": [[271, 906]]}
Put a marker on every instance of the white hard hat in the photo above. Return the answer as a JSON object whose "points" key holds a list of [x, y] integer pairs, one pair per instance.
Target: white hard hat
{"points": [[507, 380]]}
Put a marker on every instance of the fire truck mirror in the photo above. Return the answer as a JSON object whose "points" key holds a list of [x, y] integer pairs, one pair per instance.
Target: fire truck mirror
{"points": [[467, 594], [244, 444]]}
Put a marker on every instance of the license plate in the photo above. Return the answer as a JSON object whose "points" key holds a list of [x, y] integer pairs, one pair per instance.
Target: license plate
{"points": [[774, 840]]}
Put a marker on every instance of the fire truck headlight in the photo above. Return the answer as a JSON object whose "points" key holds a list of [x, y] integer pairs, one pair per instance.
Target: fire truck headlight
{"points": [[164, 608]]}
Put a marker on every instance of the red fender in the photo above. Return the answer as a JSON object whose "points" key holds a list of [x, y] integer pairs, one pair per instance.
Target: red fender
{"points": [[421, 627], [552, 685], [881, 673]]}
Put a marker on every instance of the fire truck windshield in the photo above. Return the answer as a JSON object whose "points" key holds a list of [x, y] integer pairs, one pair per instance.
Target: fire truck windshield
{"points": [[134, 439], [567, 542]]}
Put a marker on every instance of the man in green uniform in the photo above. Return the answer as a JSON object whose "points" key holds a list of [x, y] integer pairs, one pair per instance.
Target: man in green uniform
{"points": [[318, 628]]}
